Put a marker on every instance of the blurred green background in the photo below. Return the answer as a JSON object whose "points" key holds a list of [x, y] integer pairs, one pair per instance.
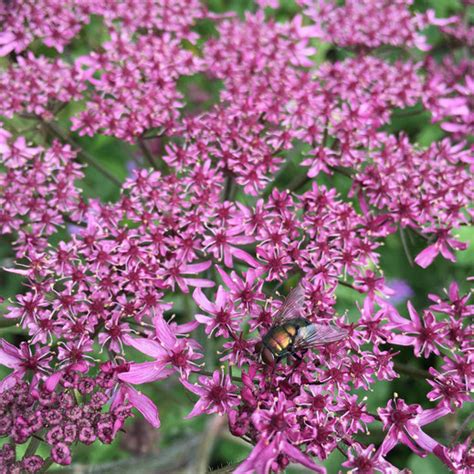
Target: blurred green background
{"points": [[180, 445]]}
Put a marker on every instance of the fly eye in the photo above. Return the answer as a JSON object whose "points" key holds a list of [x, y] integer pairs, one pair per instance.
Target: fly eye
{"points": [[258, 347], [267, 356]]}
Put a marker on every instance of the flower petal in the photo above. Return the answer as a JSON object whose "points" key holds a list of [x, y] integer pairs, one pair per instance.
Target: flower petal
{"points": [[144, 405], [147, 346], [296, 455], [9, 355], [202, 301], [425, 257], [145, 372]]}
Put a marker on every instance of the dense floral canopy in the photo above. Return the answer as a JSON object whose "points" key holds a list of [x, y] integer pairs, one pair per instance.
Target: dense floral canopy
{"points": [[200, 214]]}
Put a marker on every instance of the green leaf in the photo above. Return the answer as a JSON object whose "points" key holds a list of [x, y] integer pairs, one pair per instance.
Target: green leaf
{"points": [[429, 465], [466, 257]]}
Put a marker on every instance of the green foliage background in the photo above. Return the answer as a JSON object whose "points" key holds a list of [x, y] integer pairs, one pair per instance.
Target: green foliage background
{"points": [[178, 441]]}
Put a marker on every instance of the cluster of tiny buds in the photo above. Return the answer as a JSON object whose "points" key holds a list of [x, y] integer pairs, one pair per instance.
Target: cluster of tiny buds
{"points": [[74, 413]]}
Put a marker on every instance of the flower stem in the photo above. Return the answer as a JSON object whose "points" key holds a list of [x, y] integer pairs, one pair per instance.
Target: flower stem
{"points": [[405, 247], [413, 372], [461, 429], [146, 153], [46, 465], [226, 469], [85, 156], [209, 374], [348, 285], [229, 188], [32, 447], [204, 449]]}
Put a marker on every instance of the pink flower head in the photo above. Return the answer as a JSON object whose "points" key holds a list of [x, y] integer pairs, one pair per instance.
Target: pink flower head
{"points": [[403, 423], [216, 394], [224, 319], [167, 350], [365, 460], [427, 331], [22, 360]]}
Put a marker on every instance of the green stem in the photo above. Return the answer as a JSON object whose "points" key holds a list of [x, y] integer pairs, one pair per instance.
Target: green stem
{"points": [[405, 247], [204, 450], [146, 153], [209, 374], [413, 372], [46, 465], [226, 469], [461, 429], [32, 447], [348, 285], [85, 156], [229, 188]]}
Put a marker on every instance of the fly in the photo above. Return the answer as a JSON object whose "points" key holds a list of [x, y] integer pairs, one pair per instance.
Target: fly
{"points": [[292, 333]]}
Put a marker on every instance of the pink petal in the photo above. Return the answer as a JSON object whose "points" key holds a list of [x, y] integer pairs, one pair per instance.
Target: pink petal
{"points": [[196, 267], [147, 346], [296, 455], [446, 253], [18, 271], [226, 278], [259, 460], [428, 416], [163, 332], [203, 319], [186, 328], [202, 301], [182, 284], [199, 282], [9, 355], [413, 315], [197, 389], [244, 256], [221, 297], [8, 382], [199, 409], [453, 291], [53, 380], [145, 372], [452, 127], [400, 340], [144, 405], [425, 257]]}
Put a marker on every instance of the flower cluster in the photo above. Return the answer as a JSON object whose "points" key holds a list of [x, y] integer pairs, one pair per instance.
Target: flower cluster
{"points": [[23, 91], [60, 412], [134, 85], [294, 175], [56, 23], [367, 23], [38, 191]]}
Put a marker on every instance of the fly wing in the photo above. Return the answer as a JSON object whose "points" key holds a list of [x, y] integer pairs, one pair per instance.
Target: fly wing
{"points": [[316, 335], [292, 306]]}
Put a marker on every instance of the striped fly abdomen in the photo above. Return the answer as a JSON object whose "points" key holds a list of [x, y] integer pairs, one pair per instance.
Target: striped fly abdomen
{"points": [[279, 339]]}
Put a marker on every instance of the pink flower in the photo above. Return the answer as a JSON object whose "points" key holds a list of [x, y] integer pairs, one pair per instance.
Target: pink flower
{"points": [[221, 243], [217, 394], [403, 424], [167, 350], [427, 332], [443, 245], [365, 460], [224, 320], [140, 401], [246, 292], [22, 360], [174, 271], [264, 455]]}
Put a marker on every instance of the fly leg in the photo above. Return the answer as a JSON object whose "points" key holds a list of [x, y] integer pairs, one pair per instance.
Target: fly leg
{"points": [[299, 360]]}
